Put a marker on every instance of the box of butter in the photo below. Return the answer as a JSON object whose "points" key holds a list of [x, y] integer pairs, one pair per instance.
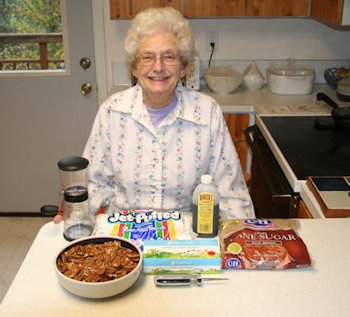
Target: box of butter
{"points": [[182, 256]]}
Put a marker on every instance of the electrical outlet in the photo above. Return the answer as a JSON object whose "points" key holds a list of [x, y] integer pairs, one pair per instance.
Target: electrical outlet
{"points": [[212, 37]]}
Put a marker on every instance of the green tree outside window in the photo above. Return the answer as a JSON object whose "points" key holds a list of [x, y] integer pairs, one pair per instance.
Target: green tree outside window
{"points": [[30, 17]]}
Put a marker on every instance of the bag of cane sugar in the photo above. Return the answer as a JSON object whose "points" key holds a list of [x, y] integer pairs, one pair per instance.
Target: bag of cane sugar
{"points": [[262, 244]]}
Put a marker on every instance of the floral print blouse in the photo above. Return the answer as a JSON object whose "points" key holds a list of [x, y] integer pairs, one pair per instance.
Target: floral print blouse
{"points": [[134, 165]]}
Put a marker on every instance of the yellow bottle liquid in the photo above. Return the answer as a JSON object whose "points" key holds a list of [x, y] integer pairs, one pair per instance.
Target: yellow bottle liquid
{"points": [[205, 208]]}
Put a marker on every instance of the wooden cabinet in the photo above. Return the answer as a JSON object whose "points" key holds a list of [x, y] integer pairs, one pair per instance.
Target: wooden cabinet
{"points": [[279, 8], [210, 8], [331, 11], [236, 123], [303, 211], [334, 12], [246, 8], [127, 9]]}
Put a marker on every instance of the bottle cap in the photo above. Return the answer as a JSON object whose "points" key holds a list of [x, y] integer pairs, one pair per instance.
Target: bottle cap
{"points": [[73, 163], [206, 179]]}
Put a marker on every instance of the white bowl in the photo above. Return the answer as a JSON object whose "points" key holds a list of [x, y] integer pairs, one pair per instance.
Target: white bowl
{"points": [[222, 79], [100, 289]]}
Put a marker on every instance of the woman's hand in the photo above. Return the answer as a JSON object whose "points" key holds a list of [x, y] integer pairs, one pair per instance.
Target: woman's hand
{"points": [[59, 217]]}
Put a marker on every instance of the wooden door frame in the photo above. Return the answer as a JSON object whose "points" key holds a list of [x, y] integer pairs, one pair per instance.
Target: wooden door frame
{"points": [[100, 49]]}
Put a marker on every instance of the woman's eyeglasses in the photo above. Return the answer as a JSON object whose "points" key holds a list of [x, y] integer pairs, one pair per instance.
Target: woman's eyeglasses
{"points": [[148, 59]]}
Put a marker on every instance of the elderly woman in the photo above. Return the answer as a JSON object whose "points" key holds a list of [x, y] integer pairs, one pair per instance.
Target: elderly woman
{"points": [[150, 144]]}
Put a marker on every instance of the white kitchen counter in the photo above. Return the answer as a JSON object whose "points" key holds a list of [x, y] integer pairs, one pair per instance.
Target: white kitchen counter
{"points": [[264, 102], [321, 290]]}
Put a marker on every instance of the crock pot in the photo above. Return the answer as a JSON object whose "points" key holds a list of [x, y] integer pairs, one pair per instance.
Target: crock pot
{"points": [[290, 78], [343, 89]]}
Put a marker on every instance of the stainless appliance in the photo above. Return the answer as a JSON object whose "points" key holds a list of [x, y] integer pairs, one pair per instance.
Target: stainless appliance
{"points": [[287, 149]]}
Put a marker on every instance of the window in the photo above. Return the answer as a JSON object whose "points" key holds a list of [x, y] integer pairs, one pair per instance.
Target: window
{"points": [[31, 35]]}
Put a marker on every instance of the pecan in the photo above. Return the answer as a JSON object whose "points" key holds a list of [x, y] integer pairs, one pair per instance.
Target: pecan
{"points": [[97, 262]]}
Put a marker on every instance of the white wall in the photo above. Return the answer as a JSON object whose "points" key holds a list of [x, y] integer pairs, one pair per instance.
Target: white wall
{"points": [[242, 40]]}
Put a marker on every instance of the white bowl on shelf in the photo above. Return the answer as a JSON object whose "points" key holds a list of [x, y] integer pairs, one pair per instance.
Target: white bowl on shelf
{"points": [[222, 80]]}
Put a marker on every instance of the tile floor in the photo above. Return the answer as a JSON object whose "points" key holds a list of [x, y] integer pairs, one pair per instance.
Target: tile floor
{"points": [[16, 236]]}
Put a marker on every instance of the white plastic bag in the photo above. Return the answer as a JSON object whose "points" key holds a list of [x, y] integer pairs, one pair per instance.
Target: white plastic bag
{"points": [[252, 77]]}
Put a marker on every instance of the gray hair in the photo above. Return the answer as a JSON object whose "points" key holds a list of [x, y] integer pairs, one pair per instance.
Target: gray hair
{"points": [[152, 20]]}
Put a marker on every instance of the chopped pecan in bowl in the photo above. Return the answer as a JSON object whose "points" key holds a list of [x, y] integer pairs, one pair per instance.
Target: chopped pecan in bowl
{"points": [[98, 267], [98, 262]]}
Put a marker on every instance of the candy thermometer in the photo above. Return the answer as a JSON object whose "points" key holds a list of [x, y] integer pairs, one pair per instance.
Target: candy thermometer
{"points": [[183, 279]]}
